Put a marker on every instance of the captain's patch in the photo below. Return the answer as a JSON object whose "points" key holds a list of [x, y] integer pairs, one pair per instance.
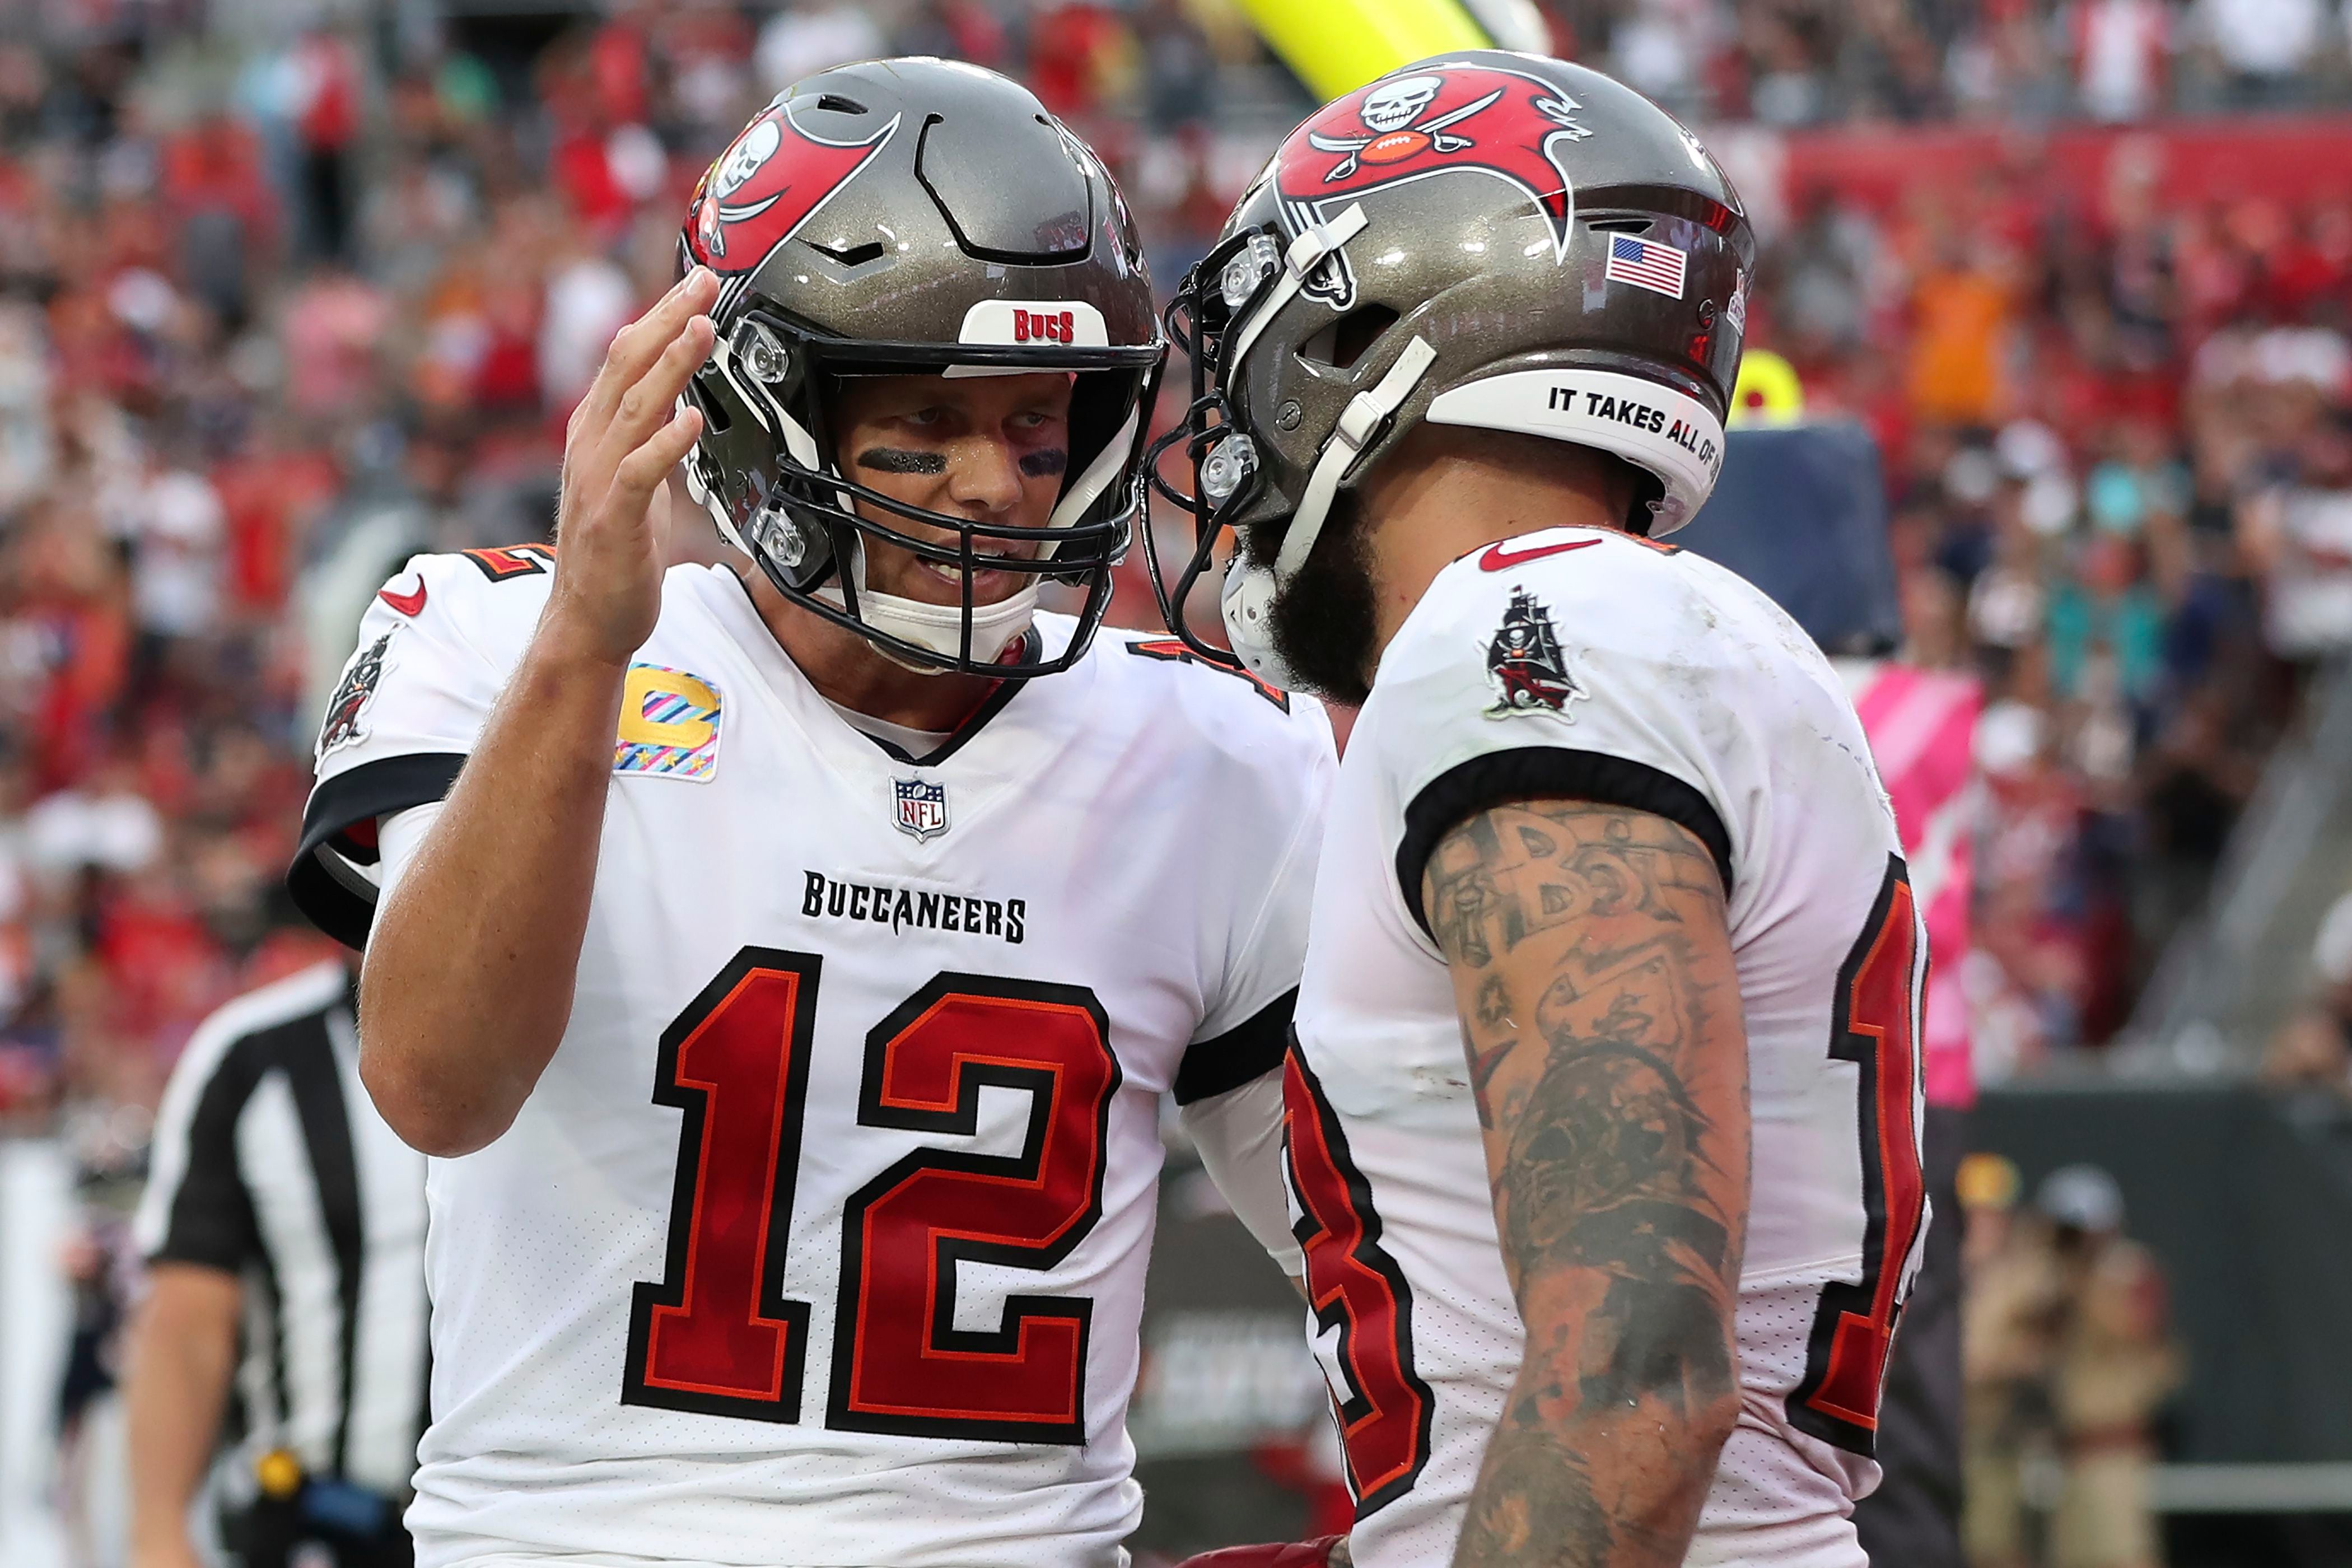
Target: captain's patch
{"points": [[669, 724]]}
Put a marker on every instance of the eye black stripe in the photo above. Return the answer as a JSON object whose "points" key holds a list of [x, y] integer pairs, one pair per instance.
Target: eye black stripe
{"points": [[899, 460]]}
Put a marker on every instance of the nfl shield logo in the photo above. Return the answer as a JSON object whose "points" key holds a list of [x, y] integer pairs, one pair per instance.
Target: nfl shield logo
{"points": [[922, 807]]}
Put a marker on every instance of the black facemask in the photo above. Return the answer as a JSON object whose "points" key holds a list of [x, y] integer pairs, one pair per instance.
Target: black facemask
{"points": [[1324, 620]]}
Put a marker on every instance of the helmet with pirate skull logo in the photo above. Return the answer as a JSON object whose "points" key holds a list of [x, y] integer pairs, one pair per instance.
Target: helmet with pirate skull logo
{"points": [[1518, 244], [902, 217]]}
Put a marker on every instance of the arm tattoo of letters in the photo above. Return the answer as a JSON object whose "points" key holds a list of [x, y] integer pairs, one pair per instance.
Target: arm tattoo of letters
{"points": [[1600, 1014]]}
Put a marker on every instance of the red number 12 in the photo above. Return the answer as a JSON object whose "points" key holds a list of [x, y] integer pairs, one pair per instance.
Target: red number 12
{"points": [[717, 1335]]}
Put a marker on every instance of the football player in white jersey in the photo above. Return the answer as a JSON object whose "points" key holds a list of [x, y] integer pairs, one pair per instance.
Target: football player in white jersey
{"points": [[789, 985], [1603, 1111]]}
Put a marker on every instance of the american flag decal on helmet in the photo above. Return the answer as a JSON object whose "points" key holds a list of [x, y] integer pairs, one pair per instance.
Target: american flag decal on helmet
{"points": [[1646, 264]]}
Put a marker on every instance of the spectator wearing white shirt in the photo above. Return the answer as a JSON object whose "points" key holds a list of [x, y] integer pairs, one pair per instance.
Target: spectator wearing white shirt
{"points": [[2264, 47], [2297, 532], [2122, 52], [805, 38], [176, 569], [588, 300]]}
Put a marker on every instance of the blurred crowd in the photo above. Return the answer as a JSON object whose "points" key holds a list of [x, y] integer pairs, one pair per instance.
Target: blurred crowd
{"points": [[1808, 62], [2118, 440], [279, 306]]}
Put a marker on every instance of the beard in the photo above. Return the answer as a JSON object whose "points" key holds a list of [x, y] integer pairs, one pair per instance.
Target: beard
{"points": [[1323, 621]]}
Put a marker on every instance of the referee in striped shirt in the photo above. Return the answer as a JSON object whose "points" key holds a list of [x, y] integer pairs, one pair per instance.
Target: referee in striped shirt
{"points": [[281, 1348]]}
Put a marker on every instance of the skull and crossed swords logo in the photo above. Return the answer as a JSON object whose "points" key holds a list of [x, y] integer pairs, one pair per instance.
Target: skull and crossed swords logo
{"points": [[1393, 111], [742, 160], [771, 180], [1389, 113], [1415, 125]]}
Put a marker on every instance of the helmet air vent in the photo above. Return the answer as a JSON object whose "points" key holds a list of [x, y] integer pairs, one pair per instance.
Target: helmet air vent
{"points": [[1339, 345], [852, 255]]}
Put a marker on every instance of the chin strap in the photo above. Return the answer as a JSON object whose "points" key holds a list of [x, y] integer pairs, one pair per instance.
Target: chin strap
{"points": [[1097, 477], [1308, 252], [938, 627], [1366, 414]]}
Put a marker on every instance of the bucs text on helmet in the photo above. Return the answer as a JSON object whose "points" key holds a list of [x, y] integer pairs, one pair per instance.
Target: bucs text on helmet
{"points": [[915, 217], [1488, 239]]}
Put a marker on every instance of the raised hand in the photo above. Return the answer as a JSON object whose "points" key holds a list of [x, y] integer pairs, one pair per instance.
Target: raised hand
{"points": [[626, 437]]}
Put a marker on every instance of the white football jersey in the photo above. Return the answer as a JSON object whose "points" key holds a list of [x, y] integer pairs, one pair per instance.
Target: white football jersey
{"points": [[822, 1239], [1588, 663]]}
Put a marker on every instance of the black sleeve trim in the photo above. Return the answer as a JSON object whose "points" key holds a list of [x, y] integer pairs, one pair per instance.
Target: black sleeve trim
{"points": [[1242, 1054], [1548, 773], [331, 902]]}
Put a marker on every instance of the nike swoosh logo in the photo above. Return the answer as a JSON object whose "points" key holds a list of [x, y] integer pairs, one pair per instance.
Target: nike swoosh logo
{"points": [[1498, 559], [406, 603]]}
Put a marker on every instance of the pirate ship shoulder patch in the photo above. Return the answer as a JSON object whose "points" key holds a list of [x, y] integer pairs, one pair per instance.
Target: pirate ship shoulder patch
{"points": [[361, 676], [1523, 663]]}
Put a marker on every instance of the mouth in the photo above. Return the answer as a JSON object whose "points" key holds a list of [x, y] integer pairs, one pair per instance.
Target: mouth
{"points": [[988, 585]]}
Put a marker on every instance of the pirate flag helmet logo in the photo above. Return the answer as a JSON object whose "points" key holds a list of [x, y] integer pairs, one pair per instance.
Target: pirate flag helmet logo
{"points": [[771, 180], [1524, 664], [1451, 119]]}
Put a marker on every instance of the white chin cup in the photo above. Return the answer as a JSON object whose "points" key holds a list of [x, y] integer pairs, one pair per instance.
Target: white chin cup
{"points": [[1246, 602], [938, 627]]}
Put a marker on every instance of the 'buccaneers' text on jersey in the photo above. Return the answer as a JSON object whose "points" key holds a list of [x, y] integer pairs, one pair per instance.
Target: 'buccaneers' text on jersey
{"points": [[1581, 663], [822, 1238]]}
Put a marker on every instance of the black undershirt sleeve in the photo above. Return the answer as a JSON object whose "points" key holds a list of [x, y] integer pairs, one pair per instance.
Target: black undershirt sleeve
{"points": [[1242, 1054]]}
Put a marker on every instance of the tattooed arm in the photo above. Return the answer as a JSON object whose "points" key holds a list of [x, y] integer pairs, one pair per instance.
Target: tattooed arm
{"points": [[1600, 1011]]}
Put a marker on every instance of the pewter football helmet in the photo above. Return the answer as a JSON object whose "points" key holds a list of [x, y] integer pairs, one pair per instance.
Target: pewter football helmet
{"points": [[1489, 239], [912, 216]]}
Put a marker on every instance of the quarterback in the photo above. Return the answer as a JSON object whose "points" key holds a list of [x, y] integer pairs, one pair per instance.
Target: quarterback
{"points": [[786, 978], [1602, 1118]]}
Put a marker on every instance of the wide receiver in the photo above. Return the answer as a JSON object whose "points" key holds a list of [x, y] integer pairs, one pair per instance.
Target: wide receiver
{"points": [[789, 984], [1603, 1115]]}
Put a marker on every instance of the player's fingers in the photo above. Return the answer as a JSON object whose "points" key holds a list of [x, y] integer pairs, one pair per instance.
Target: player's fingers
{"points": [[642, 470], [637, 345], [603, 387], [645, 404]]}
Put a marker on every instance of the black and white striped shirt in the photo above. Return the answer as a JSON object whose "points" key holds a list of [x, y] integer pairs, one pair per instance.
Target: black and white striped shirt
{"points": [[270, 1163]]}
